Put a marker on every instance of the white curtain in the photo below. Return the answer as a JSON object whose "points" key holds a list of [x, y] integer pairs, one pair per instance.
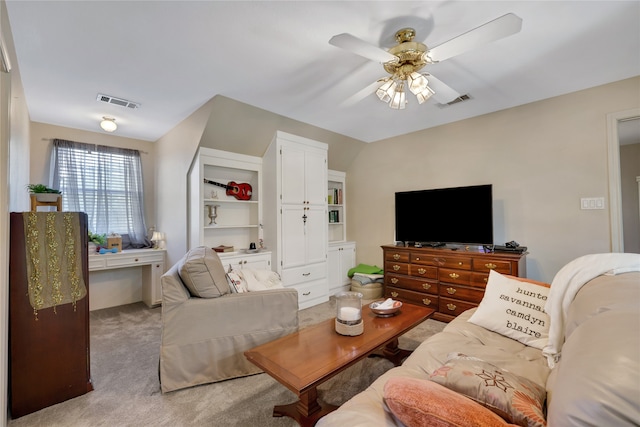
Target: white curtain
{"points": [[106, 183]]}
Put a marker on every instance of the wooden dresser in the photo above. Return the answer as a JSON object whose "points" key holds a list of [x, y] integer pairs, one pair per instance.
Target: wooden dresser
{"points": [[449, 281]]}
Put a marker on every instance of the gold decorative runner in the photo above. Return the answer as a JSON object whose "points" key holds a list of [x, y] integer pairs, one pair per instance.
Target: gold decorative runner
{"points": [[54, 259]]}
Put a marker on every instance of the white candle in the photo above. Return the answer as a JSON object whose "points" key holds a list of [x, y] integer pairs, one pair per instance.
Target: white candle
{"points": [[349, 314]]}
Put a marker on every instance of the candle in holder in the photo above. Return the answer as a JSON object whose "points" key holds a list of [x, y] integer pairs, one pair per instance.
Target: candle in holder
{"points": [[349, 313]]}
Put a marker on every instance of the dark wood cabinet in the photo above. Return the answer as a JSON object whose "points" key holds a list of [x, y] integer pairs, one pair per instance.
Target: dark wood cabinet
{"points": [[449, 281], [48, 354]]}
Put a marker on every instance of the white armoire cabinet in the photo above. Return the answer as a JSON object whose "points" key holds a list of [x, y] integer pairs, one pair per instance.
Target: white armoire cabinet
{"points": [[295, 214]]}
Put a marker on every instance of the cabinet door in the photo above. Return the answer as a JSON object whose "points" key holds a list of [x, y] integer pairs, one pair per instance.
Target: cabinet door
{"points": [[316, 177], [333, 264], [347, 262], [315, 233], [292, 174], [293, 236]]}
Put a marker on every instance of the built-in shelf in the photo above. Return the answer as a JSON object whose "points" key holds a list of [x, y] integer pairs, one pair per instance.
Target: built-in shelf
{"points": [[237, 221]]}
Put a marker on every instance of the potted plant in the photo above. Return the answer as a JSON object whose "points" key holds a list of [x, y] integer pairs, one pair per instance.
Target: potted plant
{"points": [[96, 241], [44, 193]]}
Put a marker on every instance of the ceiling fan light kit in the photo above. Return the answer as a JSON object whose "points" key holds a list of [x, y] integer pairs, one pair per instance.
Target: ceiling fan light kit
{"points": [[404, 60], [108, 124]]}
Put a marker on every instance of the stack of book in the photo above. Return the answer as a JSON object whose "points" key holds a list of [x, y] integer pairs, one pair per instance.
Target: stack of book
{"points": [[223, 248], [334, 216]]}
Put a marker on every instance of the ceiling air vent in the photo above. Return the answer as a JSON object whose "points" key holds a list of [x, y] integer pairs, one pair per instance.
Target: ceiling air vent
{"points": [[459, 99], [118, 101]]}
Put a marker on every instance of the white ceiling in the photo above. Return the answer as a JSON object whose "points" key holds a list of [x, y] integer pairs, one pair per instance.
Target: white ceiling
{"points": [[173, 56]]}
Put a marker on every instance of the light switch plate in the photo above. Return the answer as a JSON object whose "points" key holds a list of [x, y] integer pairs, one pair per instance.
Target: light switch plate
{"points": [[592, 203]]}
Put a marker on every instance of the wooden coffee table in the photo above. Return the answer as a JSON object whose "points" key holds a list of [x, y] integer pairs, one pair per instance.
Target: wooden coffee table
{"points": [[303, 360]]}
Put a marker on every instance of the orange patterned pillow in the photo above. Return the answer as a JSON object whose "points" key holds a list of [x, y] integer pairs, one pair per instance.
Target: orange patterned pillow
{"points": [[417, 402]]}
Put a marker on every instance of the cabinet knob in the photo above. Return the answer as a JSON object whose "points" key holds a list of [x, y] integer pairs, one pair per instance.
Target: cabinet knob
{"points": [[394, 280], [451, 307], [136, 260], [454, 275], [486, 279], [426, 301], [394, 294], [396, 267], [422, 270], [490, 266], [417, 258], [460, 263], [396, 256], [426, 286], [451, 291]]}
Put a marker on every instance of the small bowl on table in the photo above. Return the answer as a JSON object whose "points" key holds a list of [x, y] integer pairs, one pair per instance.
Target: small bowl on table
{"points": [[385, 312]]}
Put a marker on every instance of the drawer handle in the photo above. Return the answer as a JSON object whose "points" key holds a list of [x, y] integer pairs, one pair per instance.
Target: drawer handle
{"points": [[394, 280], [426, 301], [460, 263], [454, 275], [396, 267], [451, 291], [486, 279], [417, 258], [307, 293], [136, 260], [422, 270], [426, 286], [451, 307], [396, 256], [394, 294], [490, 266], [306, 274]]}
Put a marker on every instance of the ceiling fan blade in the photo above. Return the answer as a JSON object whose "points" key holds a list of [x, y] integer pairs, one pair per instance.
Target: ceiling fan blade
{"points": [[360, 47], [501, 27], [443, 93], [360, 95]]}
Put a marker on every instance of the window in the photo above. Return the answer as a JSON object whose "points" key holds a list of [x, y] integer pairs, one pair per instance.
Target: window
{"points": [[105, 182]]}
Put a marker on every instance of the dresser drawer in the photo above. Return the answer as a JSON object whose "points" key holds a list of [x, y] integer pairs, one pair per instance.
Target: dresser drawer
{"points": [[461, 263], [462, 293], [311, 293], [397, 256], [422, 259], [479, 280], [454, 276], [396, 267], [97, 262], [454, 307], [488, 264], [419, 298], [419, 285], [424, 271], [307, 273]]}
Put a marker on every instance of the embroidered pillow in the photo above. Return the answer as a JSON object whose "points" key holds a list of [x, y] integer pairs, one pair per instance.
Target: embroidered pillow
{"points": [[514, 307], [236, 282], [417, 402], [516, 399]]}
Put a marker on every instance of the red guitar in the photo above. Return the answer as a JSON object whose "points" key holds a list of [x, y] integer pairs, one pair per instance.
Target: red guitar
{"points": [[241, 191]]}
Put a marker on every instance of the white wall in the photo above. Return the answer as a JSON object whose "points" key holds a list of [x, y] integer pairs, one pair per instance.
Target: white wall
{"points": [[174, 153], [541, 159]]}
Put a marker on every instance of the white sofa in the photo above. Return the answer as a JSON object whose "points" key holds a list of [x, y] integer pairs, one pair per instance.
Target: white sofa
{"points": [[206, 329], [596, 381]]}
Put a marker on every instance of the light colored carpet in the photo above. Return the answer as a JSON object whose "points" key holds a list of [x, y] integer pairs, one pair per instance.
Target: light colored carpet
{"points": [[124, 367]]}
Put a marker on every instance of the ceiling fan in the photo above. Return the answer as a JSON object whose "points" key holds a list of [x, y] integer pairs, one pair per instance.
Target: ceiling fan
{"points": [[404, 60]]}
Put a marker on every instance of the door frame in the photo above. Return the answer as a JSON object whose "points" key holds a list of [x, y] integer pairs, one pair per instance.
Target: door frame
{"points": [[615, 192]]}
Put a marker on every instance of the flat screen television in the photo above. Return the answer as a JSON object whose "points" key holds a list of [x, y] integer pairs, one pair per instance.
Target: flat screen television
{"points": [[462, 215]]}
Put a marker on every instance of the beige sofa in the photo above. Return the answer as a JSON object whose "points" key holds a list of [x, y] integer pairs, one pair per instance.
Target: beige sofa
{"points": [[596, 381], [206, 328]]}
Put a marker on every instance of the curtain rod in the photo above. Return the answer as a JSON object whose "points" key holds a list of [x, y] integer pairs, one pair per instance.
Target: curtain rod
{"points": [[51, 139]]}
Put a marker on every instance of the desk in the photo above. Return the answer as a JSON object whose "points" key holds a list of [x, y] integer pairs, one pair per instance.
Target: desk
{"points": [[151, 261]]}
